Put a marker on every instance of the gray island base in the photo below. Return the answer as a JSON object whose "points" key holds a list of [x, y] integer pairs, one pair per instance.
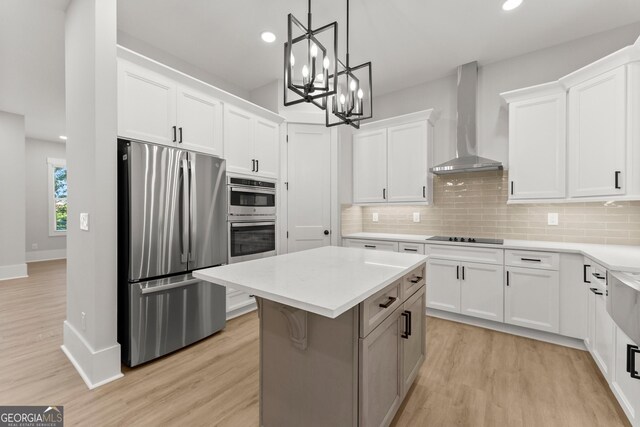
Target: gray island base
{"points": [[345, 360]]}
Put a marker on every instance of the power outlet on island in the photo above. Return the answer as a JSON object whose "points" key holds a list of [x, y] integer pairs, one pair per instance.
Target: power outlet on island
{"points": [[552, 218], [374, 217]]}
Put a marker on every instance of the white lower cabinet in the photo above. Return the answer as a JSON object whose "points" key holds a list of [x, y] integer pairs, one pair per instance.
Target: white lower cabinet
{"points": [[443, 283], [238, 303], [482, 291], [603, 337], [625, 386], [532, 298]]}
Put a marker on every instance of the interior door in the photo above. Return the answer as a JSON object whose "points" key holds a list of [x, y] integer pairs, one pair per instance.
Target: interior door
{"points": [[207, 211], [407, 162], [157, 244], [309, 196], [199, 121]]}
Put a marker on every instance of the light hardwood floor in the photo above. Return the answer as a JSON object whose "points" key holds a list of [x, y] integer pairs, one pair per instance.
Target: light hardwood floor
{"points": [[471, 377]]}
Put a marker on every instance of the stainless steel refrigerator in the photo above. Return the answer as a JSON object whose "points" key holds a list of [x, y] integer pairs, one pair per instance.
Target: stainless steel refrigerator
{"points": [[172, 208]]}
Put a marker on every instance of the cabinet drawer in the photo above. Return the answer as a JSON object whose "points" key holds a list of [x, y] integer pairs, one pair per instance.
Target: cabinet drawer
{"points": [[379, 306], [412, 248], [531, 259], [465, 253], [237, 299], [413, 281], [378, 245]]}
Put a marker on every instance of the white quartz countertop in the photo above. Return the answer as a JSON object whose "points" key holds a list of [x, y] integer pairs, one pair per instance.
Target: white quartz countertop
{"points": [[327, 281], [613, 257]]}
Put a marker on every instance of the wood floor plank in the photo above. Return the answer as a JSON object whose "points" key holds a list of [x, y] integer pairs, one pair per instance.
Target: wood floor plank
{"points": [[471, 376]]}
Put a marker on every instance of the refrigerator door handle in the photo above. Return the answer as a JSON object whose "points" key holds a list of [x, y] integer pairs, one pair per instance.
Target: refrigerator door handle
{"points": [[168, 286], [192, 224], [185, 208]]}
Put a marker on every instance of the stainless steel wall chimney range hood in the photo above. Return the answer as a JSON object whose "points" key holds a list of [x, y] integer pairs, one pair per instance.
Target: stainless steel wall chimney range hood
{"points": [[467, 159]]}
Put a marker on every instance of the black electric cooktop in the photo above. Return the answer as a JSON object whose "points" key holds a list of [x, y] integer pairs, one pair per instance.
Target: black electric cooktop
{"points": [[467, 240]]}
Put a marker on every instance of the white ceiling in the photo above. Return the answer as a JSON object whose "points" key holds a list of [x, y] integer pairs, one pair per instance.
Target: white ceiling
{"points": [[408, 41]]}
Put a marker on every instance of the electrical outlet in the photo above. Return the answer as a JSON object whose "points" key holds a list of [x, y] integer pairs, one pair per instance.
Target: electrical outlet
{"points": [[375, 217], [84, 221], [416, 217], [84, 321], [552, 218], [34, 246]]}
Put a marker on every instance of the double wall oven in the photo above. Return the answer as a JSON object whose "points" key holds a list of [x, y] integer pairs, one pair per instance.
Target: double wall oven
{"points": [[251, 218]]}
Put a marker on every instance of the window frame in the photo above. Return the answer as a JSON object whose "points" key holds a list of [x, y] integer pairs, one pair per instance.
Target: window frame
{"points": [[52, 164]]}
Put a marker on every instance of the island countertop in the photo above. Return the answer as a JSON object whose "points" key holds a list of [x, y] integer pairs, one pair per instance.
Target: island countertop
{"points": [[327, 281]]}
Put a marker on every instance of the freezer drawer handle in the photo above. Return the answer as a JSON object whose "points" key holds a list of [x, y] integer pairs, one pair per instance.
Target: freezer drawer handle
{"points": [[388, 303], [632, 350], [595, 291], [584, 273], [531, 259], [168, 286], [407, 324]]}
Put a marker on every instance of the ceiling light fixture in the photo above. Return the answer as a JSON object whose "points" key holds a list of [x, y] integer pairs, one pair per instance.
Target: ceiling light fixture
{"points": [[511, 4], [310, 57], [353, 101], [63, 137], [268, 37]]}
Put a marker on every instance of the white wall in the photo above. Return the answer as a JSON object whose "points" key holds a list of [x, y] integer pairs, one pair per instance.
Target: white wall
{"points": [[37, 201], [12, 196], [90, 329], [521, 71]]}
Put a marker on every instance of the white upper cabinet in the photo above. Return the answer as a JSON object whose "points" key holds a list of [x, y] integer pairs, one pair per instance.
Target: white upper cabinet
{"points": [[146, 105], [391, 160], [597, 135], [537, 142], [199, 121], [407, 165], [370, 166], [250, 143]]}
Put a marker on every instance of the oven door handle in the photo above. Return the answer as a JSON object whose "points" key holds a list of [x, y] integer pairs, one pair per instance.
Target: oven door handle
{"points": [[252, 190], [250, 224]]}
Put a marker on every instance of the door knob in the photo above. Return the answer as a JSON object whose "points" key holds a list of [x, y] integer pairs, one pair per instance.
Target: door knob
{"points": [[326, 232]]}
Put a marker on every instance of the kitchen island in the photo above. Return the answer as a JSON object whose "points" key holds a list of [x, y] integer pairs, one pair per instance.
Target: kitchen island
{"points": [[342, 332]]}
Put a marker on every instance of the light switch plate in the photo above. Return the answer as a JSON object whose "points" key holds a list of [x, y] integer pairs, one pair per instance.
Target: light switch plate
{"points": [[416, 217], [375, 217], [552, 218], [84, 221]]}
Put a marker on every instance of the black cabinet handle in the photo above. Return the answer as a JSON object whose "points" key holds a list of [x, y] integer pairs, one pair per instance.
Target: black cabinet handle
{"points": [[407, 325], [388, 303], [617, 175], [253, 165], [257, 165], [180, 140], [416, 279], [584, 273], [632, 350], [410, 250], [595, 291], [175, 137], [512, 188], [507, 278], [424, 191], [370, 246], [384, 193], [458, 272], [531, 259], [463, 272], [598, 276]]}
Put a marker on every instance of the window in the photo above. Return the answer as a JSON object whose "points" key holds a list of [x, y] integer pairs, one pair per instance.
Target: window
{"points": [[57, 172]]}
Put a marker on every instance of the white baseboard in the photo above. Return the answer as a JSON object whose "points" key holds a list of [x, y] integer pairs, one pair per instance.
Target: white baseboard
{"points": [[50, 255], [15, 271], [509, 329], [95, 367]]}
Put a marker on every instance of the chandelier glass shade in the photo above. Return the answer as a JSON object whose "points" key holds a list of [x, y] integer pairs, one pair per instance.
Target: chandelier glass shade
{"points": [[309, 61]]}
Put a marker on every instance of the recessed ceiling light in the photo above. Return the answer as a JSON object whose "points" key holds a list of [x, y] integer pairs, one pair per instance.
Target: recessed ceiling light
{"points": [[268, 37], [511, 4], [63, 137]]}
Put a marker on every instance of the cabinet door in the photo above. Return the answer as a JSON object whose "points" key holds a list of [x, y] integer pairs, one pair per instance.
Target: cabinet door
{"points": [[407, 162], [380, 377], [537, 148], [597, 135], [443, 285], [591, 320], [413, 338], [267, 135], [627, 387], [370, 166], [238, 140], [199, 121], [603, 339], [532, 298], [482, 291], [146, 105]]}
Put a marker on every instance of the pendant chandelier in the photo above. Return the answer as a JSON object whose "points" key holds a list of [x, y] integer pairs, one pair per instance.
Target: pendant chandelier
{"points": [[353, 99], [309, 61]]}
